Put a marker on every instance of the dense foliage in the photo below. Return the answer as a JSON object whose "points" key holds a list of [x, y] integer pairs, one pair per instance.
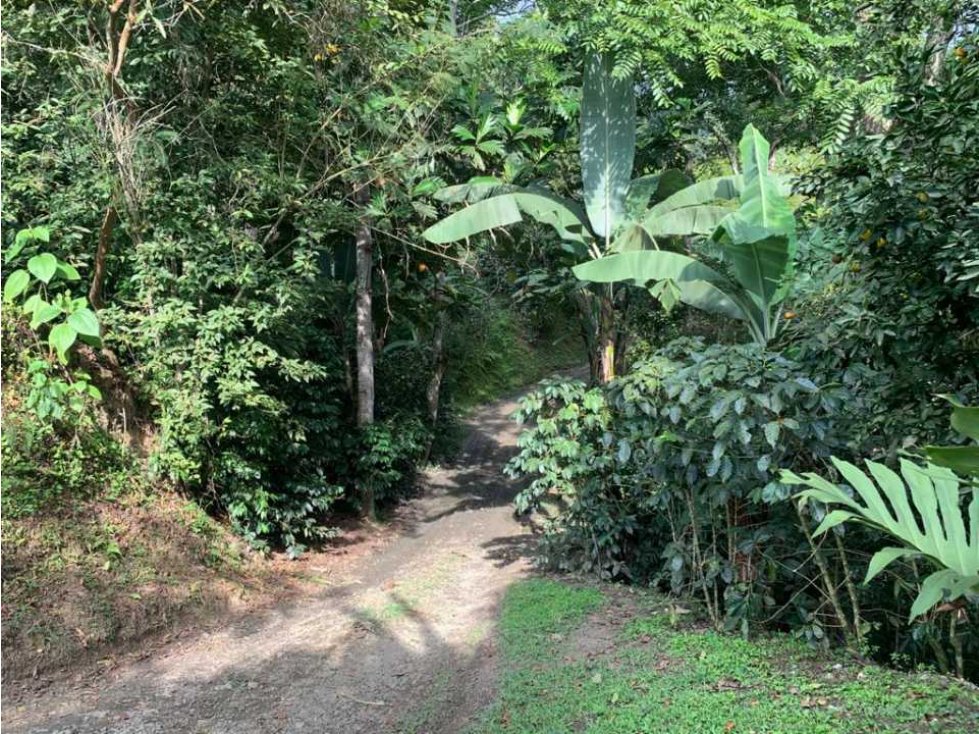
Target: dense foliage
{"points": [[265, 252], [670, 475]]}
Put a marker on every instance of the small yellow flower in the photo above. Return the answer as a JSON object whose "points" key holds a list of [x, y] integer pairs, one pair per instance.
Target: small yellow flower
{"points": [[865, 235], [922, 197], [332, 49], [789, 315], [881, 241], [855, 267], [318, 57], [961, 54]]}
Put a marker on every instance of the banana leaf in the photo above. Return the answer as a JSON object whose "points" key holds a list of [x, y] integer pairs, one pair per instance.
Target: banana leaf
{"points": [[566, 217], [699, 285], [691, 220], [608, 144], [652, 189], [759, 239]]}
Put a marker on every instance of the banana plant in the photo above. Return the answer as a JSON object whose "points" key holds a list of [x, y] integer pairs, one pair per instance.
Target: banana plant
{"points": [[941, 536], [757, 241], [619, 214]]}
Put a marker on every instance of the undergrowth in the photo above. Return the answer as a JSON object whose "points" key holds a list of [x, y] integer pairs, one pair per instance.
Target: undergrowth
{"points": [[579, 660]]}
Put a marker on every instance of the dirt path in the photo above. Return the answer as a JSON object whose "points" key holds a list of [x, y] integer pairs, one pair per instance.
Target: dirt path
{"points": [[404, 643]]}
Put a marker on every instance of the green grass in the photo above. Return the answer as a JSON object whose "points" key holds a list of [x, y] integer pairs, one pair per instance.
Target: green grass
{"points": [[654, 678]]}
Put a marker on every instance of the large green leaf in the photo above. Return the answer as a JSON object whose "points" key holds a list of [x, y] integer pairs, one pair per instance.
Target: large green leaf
{"points": [[652, 189], [16, 284], [961, 459], [723, 188], [759, 239], [921, 508], [472, 191], [61, 338], [646, 266], [965, 420], [85, 322], [497, 211], [43, 266], [566, 217], [608, 143], [690, 220], [699, 285], [709, 297], [632, 237]]}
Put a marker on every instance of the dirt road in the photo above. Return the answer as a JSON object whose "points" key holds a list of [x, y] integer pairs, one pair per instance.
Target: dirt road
{"points": [[404, 643]]}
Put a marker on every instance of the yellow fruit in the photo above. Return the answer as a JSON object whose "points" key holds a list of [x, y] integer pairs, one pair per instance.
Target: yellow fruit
{"points": [[790, 315], [881, 242], [922, 197], [422, 267], [865, 235], [960, 54], [854, 267]]}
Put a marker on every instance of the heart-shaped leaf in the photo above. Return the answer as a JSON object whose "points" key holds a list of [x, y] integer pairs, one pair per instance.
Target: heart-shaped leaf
{"points": [[85, 322], [43, 266]]}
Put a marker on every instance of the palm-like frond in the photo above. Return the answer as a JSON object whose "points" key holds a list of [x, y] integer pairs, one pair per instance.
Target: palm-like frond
{"points": [[921, 508]]}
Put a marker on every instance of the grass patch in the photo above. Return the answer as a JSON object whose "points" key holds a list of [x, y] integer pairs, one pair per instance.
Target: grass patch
{"points": [[648, 676]]}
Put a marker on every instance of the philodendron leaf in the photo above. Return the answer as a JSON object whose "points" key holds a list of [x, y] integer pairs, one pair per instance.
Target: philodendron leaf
{"points": [[43, 266], [16, 284], [608, 143], [61, 338], [921, 507]]}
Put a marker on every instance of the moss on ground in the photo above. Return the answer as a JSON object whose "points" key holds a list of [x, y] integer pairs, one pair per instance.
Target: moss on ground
{"points": [[649, 676]]}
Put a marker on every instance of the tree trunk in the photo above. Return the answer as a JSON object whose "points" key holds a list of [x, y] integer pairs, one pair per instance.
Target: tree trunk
{"points": [[606, 337], [101, 253], [365, 348], [118, 124], [434, 393]]}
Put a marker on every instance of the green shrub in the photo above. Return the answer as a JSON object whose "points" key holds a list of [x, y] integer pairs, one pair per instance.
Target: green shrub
{"points": [[670, 473]]}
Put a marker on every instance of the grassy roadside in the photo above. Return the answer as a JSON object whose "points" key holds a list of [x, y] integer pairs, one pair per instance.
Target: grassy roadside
{"points": [[576, 659]]}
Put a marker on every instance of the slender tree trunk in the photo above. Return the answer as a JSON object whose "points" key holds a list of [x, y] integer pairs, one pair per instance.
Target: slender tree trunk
{"points": [[606, 338], [434, 392], [101, 252], [365, 347], [118, 124]]}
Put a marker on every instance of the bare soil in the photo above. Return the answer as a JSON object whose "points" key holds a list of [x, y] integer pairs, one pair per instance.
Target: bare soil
{"points": [[402, 639]]}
